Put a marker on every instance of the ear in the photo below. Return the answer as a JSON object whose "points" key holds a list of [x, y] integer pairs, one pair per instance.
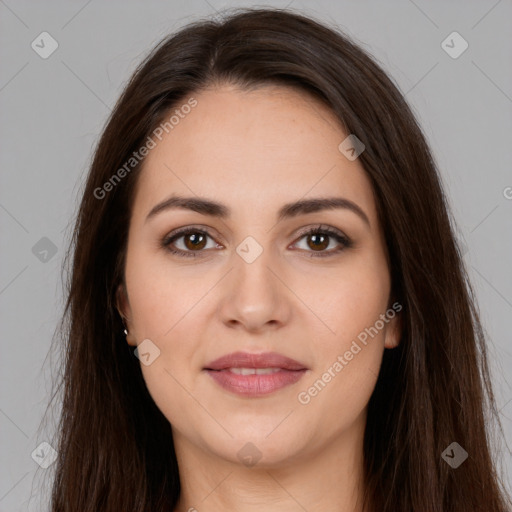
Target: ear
{"points": [[124, 309], [393, 333], [122, 304]]}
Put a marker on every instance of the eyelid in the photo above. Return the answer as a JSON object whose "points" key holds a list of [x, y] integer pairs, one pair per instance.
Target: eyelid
{"points": [[196, 228], [324, 228]]}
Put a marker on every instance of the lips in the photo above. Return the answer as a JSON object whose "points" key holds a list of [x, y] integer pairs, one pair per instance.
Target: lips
{"points": [[253, 375], [248, 360]]}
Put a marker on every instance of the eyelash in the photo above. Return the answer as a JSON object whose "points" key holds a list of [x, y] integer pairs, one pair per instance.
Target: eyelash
{"points": [[344, 241]]}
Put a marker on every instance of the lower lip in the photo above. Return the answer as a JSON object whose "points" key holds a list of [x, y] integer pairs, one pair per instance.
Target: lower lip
{"points": [[255, 385]]}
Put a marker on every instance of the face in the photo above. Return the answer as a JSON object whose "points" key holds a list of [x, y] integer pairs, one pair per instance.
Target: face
{"points": [[308, 283]]}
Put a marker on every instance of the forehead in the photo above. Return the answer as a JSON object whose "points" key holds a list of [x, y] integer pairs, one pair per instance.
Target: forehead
{"points": [[272, 144]]}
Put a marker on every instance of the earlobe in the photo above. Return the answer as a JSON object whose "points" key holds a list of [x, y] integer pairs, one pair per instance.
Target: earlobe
{"points": [[393, 332], [123, 309], [130, 339]]}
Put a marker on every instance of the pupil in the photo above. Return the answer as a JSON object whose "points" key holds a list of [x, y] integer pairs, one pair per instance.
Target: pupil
{"points": [[317, 243], [195, 239]]}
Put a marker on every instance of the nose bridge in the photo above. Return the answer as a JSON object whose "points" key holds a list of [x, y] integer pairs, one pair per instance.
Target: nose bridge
{"points": [[251, 269], [255, 297]]}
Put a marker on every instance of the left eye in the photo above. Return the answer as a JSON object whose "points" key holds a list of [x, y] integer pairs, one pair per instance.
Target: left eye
{"points": [[195, 240], [319, 241]]}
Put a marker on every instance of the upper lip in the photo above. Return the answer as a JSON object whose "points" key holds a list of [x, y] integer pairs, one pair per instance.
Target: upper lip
{"points": [[248, 360]]}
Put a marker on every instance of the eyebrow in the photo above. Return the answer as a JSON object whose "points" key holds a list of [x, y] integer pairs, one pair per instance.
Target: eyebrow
{"points": [[289, 210]]}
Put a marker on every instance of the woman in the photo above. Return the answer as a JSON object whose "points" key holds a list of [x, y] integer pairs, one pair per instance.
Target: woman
{"points": [[267, 308]]}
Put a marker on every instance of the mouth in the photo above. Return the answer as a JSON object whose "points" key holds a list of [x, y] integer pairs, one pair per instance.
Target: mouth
{"points": [[247, 374]]}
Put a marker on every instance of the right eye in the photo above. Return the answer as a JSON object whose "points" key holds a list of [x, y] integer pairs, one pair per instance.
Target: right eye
{"points": [[194, 241]]}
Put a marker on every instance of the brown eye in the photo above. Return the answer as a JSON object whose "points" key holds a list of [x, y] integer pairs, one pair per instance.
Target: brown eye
{"points": [[319, 238], [188, 242], [194, 240], [318, 242]]}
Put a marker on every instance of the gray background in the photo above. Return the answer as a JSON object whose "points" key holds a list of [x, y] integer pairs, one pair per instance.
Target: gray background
{"points": [[54, 109]]}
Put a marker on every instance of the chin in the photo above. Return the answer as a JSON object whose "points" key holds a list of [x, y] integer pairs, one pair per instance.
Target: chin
{"points": [[259, 447]]}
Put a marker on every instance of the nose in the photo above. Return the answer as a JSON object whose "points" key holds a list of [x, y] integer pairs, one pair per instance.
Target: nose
{"points": [[254, 296]]}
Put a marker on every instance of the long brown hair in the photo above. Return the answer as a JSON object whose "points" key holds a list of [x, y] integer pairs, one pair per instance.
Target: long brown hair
{"points": [[115, 447]]}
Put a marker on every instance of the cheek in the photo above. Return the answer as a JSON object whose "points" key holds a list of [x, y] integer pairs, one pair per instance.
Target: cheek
{"points": [[160, 293], [348, 358], [348, 299], [164, 306]]}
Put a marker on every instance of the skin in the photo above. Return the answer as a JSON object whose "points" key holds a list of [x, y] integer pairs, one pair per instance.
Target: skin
{"points": [[255, 151]]}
